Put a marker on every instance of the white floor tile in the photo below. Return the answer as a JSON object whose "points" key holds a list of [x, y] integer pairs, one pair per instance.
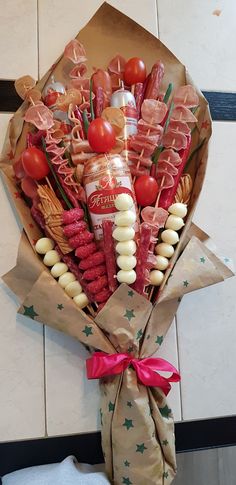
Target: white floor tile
{"points": [[18, 39], [206, 319], [72, 401], [21, 349], [58, 25], [169, 351], [203, 41]]}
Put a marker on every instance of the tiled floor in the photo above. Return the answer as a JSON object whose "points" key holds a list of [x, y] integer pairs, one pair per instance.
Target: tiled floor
{"points": [[44, 378]]}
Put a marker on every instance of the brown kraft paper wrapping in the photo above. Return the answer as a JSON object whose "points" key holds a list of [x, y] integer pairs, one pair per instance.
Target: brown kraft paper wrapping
{"points": [[137, 424]]}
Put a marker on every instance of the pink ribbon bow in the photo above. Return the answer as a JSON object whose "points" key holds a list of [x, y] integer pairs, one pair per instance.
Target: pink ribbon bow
{"points": [[102, 364]]}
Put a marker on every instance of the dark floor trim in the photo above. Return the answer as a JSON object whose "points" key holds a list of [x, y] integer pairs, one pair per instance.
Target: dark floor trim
{"points": [[190, 436], [222, 105]]}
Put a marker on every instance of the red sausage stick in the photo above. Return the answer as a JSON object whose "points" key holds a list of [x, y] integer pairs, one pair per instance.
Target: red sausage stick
{"points": [[110, 257]]}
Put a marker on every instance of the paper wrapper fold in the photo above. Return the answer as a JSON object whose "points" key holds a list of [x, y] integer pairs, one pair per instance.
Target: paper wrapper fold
{"points": [[137, 424]]}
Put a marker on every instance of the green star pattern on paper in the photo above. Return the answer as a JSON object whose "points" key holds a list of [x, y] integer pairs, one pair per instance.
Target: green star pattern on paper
{"points": [[130, 349], [148, 337], [139, 334], [130, 293], [30, 312], [111, 406], [129, 314], [165, 442], [165, 475], [141, 448], [186, 283], [226, 260], [126, 463], [159, 339], [129, 404], [88, 330], [60, 306], [128, 424], [126, 481], [165, 412], [202, 260]]}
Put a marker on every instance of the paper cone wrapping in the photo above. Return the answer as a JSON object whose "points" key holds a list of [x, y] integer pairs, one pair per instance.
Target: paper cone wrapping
{"points": [[137, 424]]}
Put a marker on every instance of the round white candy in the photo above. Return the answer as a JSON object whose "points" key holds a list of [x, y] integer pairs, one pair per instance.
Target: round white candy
{"points": [[73, 289], [125, 218], [128, 277], [44, 245], [169, 236], [178, 209], [174, 222], [58, 269], [123, 233], [126, 262], [51, 257], [161, 262], [65, 279], [123, 202], [81, 300], [164, 250], [127, 248], [156, 277]]}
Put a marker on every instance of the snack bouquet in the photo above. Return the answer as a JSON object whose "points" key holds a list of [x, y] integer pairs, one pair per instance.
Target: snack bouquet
{"points": [[105, 160]]}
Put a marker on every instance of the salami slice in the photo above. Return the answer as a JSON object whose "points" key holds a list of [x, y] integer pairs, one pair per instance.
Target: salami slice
{"points": [[165, 180], [142, 257], [181, 126], [186, 96], [72, 215], [174, 139], [74, 228], [80, 83], [170, 156], [78, 71], [154, 215], [153, 111], [40, 116], [144, 127], [75, 51], [165, 166], [135, 157], [181, 113], [117, 64]]}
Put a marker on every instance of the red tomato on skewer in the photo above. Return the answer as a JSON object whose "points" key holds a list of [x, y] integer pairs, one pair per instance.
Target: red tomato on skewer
{"points": [[35, 163], [135, 71], [146, 190], [101, 136]]}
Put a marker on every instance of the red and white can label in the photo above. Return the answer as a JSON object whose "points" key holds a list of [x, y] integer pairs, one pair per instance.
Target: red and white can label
{"points": [[101, 195]]}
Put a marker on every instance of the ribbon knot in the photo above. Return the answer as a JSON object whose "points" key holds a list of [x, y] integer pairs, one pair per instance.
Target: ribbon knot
{"points": [[102, 365]]}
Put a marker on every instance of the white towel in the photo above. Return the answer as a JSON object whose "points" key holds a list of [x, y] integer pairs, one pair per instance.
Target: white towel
{"points": [[68, 472]]}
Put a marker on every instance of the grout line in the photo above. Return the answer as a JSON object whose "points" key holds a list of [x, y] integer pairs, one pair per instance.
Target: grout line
{"points": [[158, 24], [178, 357], [45, 379], [38, 36]]}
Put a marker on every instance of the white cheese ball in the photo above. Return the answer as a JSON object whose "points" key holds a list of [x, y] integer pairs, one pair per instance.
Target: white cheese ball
{"points": [[123, 233], [178, 209], [44, 245], [164, 250], [123, 202], [73, 289], [58, 269], [51, 257], [128, 248], [161, 262], [128, 277], [81, 300], [125, 218], [66, 278], [174, 222], [156, 277], [169, 236], [126, 262]]}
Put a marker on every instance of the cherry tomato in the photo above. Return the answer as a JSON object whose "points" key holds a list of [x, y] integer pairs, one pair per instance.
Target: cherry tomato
{"points": [[101, 136], [35, 163], [135, 71], [146, 190], [18, 169], [29, 187]]}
